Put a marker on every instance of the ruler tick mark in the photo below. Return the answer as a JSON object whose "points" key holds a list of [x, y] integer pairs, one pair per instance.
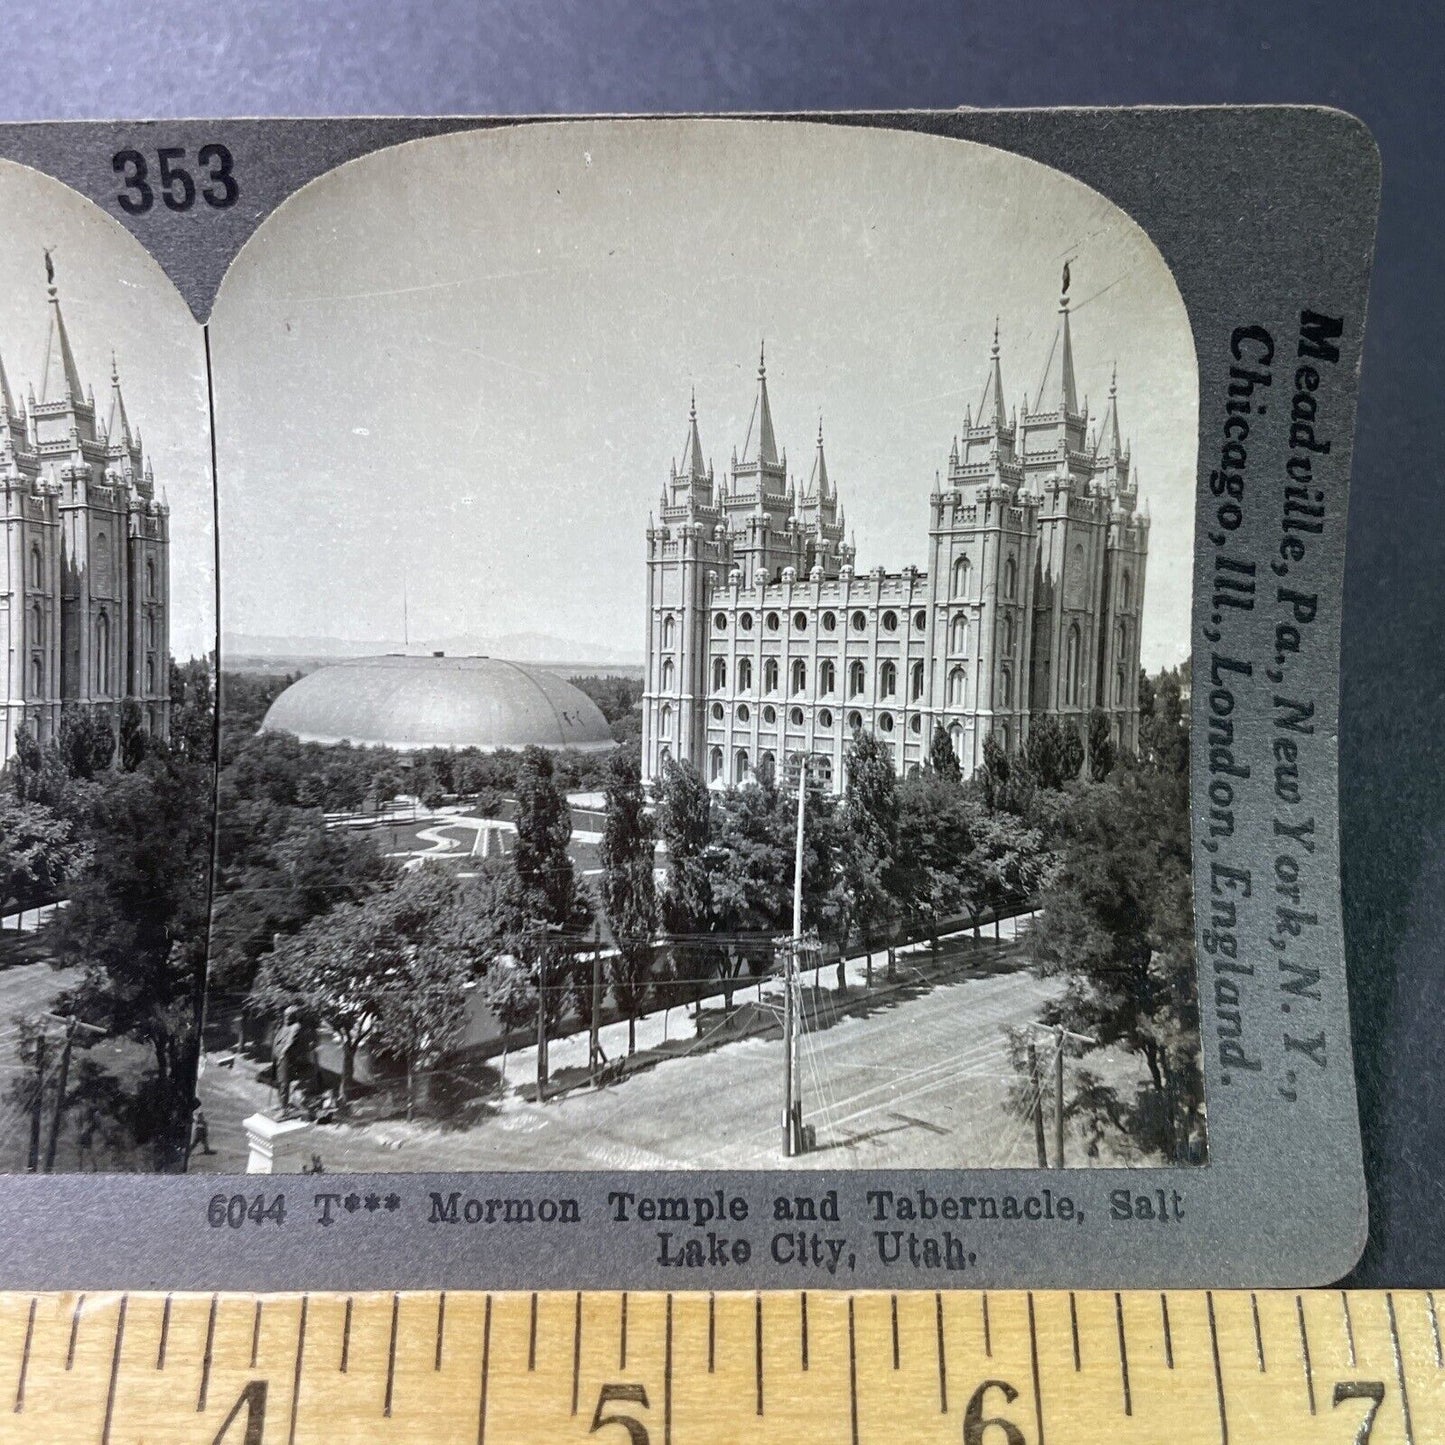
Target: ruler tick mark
{"points": [[852, 1374], [300, 1352], [1434, 1327], [667, 1378], [486, 1367], [803, 1305], [206, 1357], [987, 1333], [1400, 1370], [165, 1334], [441, 1327], [391, 1354], [1304, 1341], [1123, 1353], [25, 1357], [1349, 1327], [1218, 1371], [576, 1348], [893, 1302], [758, 1347], [256, 1333], [1258, 1334], [74, 1331], [532, 1339], [1168, 1338], [114, 1371], [346, 1338], [942, 1361], [711, 1330], [622, 1335], [1074, 1327], [1034, 1364]]}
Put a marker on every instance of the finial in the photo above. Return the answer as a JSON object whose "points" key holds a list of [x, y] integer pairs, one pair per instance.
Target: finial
{"points": [[762, 364], [49, 270], [820, 428], [692, 407], [995, 335], [1064, 293]]}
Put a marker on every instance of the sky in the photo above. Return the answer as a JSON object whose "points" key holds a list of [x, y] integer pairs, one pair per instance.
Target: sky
{"points": [[115, 298], [451, 376]]}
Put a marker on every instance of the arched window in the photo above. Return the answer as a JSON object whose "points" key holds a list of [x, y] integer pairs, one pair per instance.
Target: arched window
{"points": [[1005, 688], [799, 676], [956, 680], [664, 720], [827, 677], [1119, 685], [37, 626], [960, 577], [1125, 588], [719, 673], [740, 766], [150, 578], [663, 759], [958, 634], [1072, 660], [150, 674], [770, 675], [150, 629], [102, 655], [715, 765], [745, 674], [955, 736], [669, 675], [1121, 640], [37, 676], [669, 631], [915, 685], [888, 680], [857, 679], [767, 763], [1010, 578], [1003, 736], [102, 562], [37, 567], [1008, 635]]}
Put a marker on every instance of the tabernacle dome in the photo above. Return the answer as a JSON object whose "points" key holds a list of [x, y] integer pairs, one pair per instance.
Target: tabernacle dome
{"points": [[409, 703]]}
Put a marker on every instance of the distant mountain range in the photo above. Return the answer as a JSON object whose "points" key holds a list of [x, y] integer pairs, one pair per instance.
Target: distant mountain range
{"points": [[536, 647]]}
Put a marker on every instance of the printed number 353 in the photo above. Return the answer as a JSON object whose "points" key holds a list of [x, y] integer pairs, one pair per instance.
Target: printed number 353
{"points": [[173, 178]]}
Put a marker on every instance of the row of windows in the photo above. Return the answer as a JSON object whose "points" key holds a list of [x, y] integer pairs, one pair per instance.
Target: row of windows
{"points": [[957, 630], [824, 719], [773, 622], [102, 552], [37, 627]]}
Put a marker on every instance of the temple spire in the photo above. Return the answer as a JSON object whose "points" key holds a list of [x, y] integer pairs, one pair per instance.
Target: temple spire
{"points": [[1109, 442], [1057, 389], [59, 379], [991, 407], [818, 484], [7, 401], [694, 468], [117, 429], [761, 447]]}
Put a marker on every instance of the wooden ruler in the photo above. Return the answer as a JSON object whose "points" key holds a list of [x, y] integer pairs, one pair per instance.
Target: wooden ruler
{"points": [[1006, 1368]]}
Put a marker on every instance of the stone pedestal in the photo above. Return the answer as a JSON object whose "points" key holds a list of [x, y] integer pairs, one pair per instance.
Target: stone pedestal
{"points": [[278, 1146]]}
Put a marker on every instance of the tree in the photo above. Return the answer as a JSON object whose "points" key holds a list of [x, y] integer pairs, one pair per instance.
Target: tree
{"points": [[629, 889], [1116, 924], [870, 840], [1073, 758], [1164, 721], [1102, 753], [684, 821], [941, 757], [86, 740], [39, 851], [134, 740], [935, 832], [1045, 752]]}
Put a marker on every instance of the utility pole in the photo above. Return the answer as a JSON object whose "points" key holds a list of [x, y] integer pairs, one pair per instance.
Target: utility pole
{"points": [[72, 1027], [1059, 1096], [1058, 1033], [1038, 1088], [37, 1108], [541, 1022], [793, 950], [594, 1050]]}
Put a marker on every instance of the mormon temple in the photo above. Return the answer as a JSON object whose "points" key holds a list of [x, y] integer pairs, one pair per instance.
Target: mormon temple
{"points": [[765, 639], [84, 601]]}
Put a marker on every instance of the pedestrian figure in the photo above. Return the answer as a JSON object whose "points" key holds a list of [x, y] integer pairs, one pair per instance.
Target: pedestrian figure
{"points": [[200, 1131]]}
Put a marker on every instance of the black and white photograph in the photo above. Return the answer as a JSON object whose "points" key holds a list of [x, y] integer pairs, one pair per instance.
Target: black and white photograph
{"points": [[704, 670], [107, 640]]}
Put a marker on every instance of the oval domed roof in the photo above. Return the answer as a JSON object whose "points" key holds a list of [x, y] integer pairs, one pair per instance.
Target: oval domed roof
{"points": [[438, 702]]}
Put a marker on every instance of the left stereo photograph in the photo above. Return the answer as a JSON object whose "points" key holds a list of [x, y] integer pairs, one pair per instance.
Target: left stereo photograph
{"points": [[107, 695]]}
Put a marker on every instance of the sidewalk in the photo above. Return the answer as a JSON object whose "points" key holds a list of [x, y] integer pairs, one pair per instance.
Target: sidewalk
{"points": [[571, 1051]]}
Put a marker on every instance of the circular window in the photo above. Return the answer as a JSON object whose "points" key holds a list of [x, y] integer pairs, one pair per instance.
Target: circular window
{"points": [[825, 719], [830, 621], [890, 622], [770, 715], [795, 717], [744, 713], [745, 621], [915, 723], [721, 622], [885, 722], [717, 712], [772, 622], [860, 622], [920, 621], [855, 720], [800, 622]]}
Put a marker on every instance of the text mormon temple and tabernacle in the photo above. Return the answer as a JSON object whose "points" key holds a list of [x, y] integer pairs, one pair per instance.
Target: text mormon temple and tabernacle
{"points": [[764, 638]]}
